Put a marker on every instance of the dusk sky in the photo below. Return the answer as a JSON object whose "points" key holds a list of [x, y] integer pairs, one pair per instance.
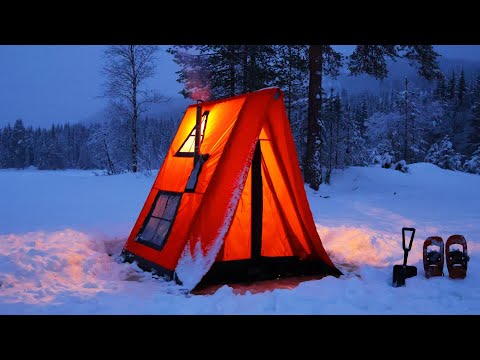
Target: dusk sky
{"points": [[45, 84]]}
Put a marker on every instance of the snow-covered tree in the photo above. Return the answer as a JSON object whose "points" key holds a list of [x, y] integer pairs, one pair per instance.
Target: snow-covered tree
{"points": [[155, 137], [461, 89], [18, 145], [451, 87], [474, 137], [291, 73], [384, 133], [441, 89], [111, 141], [216, 71], [51, 154], [354, 146], [6, 147], [3, 148], [443, 155], [406, 130], [473, 164]]}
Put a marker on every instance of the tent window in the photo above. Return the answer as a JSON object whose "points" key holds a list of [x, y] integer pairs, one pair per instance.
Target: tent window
{"points": [[159, 222], [188, 147], [193, 179]]}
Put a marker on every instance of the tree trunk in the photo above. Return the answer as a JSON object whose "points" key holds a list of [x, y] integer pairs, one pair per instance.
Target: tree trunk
{"points": [[289, 84], [252, 81], [331, 124], [313, 154], [348, 161], [232, 78], [135, 111], [245, 68], [337, 136], [405, 144], [231, 69], [111, 167]]}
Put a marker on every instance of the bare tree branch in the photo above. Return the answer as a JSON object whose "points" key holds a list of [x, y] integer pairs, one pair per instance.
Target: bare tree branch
{"points": [[126, 69]]}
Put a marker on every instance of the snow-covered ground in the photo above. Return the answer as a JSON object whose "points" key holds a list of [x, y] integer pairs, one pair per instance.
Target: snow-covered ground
{"points": [[57, 229]]}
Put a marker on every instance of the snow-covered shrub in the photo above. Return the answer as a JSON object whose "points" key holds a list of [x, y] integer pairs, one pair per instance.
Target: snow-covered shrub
{"points": [[473, 165], [401, 166], [385, 161], [443, 155]]}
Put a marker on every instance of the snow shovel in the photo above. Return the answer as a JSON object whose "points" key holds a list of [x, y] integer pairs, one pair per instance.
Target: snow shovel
{"points": [[402, 272]]}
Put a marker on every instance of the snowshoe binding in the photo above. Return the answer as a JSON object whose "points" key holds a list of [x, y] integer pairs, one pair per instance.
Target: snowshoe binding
{"points": [[433, 256], [457, 258]]}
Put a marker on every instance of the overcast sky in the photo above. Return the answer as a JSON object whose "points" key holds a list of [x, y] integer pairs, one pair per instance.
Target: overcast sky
{"points": [[45, 84]]}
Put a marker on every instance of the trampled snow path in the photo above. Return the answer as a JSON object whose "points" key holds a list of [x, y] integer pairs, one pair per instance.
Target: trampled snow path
{"points": [[57, 229]]}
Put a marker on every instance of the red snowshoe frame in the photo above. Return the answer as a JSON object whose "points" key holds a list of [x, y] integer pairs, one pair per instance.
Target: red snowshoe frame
{"points": [[457, 260], [433, 260]]}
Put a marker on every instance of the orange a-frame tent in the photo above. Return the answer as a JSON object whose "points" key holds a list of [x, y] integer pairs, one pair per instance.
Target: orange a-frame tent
{"points": [[235, 209]]}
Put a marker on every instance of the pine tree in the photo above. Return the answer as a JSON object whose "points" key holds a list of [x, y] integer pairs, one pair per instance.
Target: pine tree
{"points": [[195, 73], [7, 141], [290, 67], [256, 70], [451, 91], [216, 71], [440, 91], [3, 149], [443, 155], [29, 146], [350, 134], [329, 122], [474, 138], [473, 164], [337, 110], [461, 89], [18, 145]]}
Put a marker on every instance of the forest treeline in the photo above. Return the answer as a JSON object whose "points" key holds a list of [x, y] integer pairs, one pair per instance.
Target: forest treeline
{"points": [[439, 123], [103, 146]]}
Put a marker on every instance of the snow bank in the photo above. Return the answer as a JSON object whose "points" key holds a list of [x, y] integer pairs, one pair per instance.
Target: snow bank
{"points": [[39, 267]]}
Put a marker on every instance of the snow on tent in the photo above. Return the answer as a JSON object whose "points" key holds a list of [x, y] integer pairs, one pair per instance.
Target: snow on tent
{"points": [[230, 205]]}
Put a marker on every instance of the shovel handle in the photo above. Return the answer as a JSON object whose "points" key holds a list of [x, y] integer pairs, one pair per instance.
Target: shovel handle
{"points": [[411, 238]]}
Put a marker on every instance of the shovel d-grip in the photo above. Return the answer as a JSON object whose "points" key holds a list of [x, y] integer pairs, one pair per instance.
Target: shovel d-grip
{"points": [[402, 272]]}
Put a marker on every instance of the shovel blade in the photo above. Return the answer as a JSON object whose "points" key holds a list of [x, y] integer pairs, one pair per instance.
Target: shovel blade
{"points": [[399, 276], [410, 271], [400, 273]]}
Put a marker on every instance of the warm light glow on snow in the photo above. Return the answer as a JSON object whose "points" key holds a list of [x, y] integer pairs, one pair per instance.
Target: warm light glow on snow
{"points": [[44, 266], [365, 246]]}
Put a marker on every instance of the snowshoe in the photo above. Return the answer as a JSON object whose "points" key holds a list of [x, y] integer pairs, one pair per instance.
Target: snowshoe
{"points": [[457, 259], [402, 272], [433, 259]]}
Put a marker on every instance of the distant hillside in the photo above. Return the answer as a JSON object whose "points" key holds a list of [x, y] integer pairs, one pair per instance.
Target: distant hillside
{"points": [[397, 72]]}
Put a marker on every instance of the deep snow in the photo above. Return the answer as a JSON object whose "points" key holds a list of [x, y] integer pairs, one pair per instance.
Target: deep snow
{"points": [[57, 229]]}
